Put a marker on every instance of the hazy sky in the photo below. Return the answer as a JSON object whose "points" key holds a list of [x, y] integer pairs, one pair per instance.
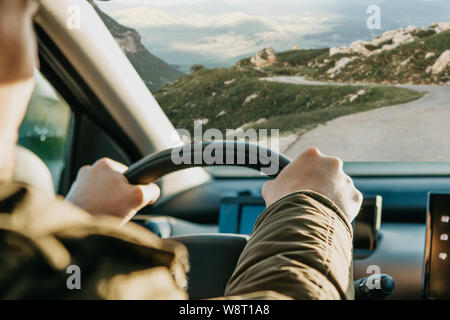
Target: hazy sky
{"points": [[222, 31]]}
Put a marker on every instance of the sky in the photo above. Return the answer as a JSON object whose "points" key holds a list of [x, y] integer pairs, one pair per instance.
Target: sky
{"points": [[220, 32]]}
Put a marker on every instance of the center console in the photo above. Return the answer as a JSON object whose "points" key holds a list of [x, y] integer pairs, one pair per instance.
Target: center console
{"points": [[238, 215]]}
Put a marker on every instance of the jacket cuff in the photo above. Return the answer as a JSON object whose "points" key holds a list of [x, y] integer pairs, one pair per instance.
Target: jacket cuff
{"points": [[316, 196]]}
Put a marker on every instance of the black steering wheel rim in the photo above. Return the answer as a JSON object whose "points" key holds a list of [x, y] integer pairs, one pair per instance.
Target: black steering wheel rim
{"points": [[232, 153]]}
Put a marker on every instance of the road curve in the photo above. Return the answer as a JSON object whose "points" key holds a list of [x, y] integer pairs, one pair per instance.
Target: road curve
{"points": [[414, 131]]}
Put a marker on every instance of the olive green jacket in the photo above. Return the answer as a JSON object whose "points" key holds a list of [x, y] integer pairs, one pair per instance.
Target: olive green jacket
{"points": [[301, 249]]}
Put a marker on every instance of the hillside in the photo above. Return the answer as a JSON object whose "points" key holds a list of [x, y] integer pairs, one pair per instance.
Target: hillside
{"points": [[410, 55], [155, 72], [231, 98]]}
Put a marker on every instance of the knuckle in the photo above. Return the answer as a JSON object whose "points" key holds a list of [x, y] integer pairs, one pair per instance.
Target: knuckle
{"points": [[83, 170], [349, 180], [336, 163], [358, 196], [102, 163], [312, 152]]}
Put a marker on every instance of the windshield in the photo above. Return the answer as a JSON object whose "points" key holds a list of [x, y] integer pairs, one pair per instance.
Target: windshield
{"points": [[364, 80]]}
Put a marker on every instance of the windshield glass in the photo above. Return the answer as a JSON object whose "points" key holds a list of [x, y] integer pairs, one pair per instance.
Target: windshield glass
{"points": [[362, 80]]}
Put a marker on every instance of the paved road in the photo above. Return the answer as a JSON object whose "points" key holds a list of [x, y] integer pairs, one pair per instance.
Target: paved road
{"points": [[414, 131]]}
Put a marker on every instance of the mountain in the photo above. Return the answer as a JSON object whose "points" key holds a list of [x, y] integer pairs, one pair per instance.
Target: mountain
{"points": [[154, 71]]}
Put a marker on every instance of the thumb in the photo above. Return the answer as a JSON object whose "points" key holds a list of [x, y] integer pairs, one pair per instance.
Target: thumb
{"points": [[150, 193]]}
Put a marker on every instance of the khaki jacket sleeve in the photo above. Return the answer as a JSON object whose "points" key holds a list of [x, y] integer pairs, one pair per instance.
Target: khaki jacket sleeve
{"points": [[42, 239], [301, 248]]}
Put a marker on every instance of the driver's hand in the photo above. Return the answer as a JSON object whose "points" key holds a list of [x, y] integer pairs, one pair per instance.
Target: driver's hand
{"points": [[319, 173], [102, 189]]}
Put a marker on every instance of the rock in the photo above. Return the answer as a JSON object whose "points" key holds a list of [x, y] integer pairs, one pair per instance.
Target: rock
{"points": [[440, 26], [429, 55], [339, 50], [340, 64], [357, 95], [353, 98], [199, 122], [404, 63], [250, 99], [410, 29], [129, 41], [391, 39], [264, 58], [221, 114], [441, 63], [398, 36], [227, 83], [251, 124], [401, 37], [388, 47], [360, 47]]}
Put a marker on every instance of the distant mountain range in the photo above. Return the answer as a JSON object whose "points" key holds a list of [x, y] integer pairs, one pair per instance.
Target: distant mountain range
{"points": [[154, 71]]}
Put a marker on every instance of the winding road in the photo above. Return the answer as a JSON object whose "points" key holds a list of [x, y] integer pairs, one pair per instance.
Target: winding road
{"points": [[414, 131]]}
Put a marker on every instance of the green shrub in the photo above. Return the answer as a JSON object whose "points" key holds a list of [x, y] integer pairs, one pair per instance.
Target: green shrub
{"points": [[424, 33], [196, 67]]}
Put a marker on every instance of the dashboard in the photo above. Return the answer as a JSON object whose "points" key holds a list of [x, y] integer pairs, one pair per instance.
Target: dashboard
{"points": [[402, 236]]}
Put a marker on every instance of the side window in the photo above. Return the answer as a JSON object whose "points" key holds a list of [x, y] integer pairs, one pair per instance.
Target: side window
{"points": [[44, 129]]}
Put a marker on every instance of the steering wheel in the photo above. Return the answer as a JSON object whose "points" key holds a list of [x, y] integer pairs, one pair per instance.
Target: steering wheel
{"points": [[207, 154], [213, 257]]}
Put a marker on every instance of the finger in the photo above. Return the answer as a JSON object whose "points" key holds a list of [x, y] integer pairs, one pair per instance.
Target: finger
{"points": [[83, 170], [150, 193], [112, 164], [335, 163], [358, 197], [311, 152]]}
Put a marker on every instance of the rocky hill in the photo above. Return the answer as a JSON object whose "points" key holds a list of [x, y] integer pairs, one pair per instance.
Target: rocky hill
{"points": [[409, 55], [155, 72]]}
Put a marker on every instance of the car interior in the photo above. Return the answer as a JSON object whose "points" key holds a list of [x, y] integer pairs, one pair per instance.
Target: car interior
{"points": [[212, 210]]}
